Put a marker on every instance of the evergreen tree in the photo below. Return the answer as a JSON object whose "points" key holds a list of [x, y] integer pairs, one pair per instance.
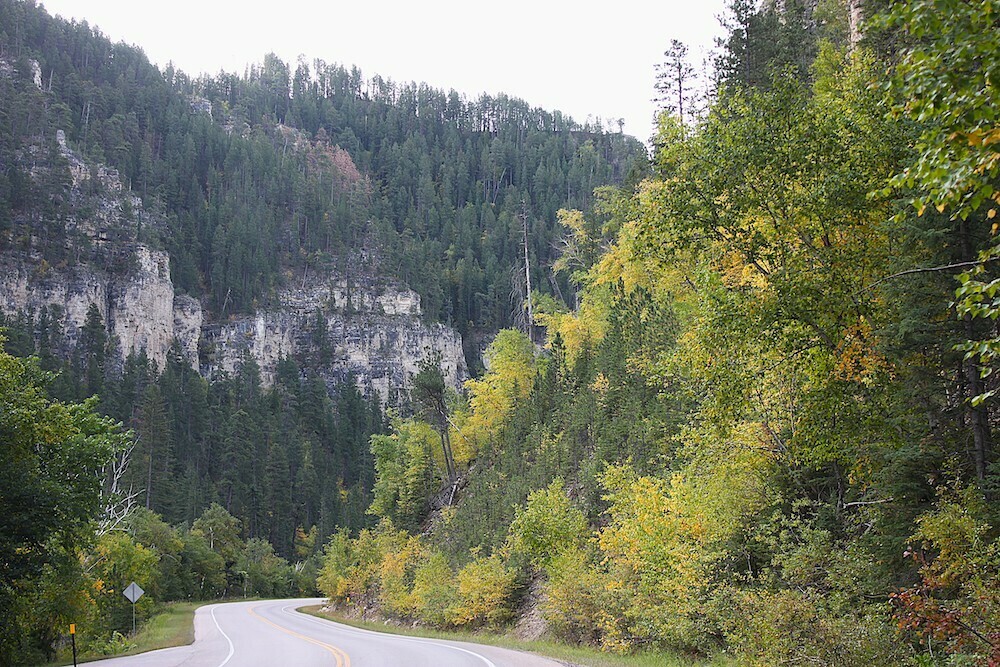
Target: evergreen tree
{"points": [[675, 79]]}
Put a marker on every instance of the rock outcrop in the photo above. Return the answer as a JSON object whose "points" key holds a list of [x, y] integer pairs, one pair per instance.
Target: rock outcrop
{"points": [[138, 307], [365, 330], [372, 333]]}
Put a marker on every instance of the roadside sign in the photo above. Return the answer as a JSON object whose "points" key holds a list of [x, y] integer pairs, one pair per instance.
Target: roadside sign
{"points": [[133, 592]]}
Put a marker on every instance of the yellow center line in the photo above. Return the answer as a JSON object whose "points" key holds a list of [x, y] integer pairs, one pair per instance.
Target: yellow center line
{"points": [[343, 660]]}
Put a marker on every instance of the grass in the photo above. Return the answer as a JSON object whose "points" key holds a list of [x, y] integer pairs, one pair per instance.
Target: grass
{"points": [[576, 655], [173, 626]]}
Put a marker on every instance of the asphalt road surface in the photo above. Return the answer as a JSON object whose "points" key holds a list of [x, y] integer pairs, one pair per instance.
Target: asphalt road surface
{"points": [[272, 634]]}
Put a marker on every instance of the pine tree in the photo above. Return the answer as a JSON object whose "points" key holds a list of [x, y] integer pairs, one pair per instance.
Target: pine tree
{"points": [[675, 80]]}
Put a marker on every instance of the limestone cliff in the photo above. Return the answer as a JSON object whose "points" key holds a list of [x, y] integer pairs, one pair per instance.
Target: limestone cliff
{"points": [[366, 329], [139, 307], [372, 332], [102, 262]]}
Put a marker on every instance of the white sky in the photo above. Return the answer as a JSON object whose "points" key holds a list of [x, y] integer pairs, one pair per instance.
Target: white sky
{"points": [[584, 59]]}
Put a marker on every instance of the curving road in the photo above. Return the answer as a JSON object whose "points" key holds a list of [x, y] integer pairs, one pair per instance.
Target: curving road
{"points": [[272, 634]]}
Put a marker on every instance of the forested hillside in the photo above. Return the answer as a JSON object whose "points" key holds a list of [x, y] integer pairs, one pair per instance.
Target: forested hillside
{"points": [[263, 174], [759, 426], [763, 428], [253, 183]]}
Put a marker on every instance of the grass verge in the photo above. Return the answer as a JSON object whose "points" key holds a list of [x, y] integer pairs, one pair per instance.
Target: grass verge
{"points": [[580, 656], [173, 626]]}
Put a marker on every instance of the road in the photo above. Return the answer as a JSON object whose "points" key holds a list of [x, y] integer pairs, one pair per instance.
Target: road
{"points": [[272, 634]]}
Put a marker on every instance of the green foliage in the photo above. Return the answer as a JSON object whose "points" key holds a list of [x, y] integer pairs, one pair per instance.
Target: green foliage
{"points": [[580, 248], [485, 593], [401, 555], [264, 573], [118, 643], [763, 38], [375, 569], [92, 352], [435, 590], [51, 473], [948, 82], [577, 603], [510, 359], [955, 605], [789, 627], [203, 570], [338, 558], [546, 526], [399, 575], [220, 529], [116, 561], [404, 476], [657, 570], [430, 397]]}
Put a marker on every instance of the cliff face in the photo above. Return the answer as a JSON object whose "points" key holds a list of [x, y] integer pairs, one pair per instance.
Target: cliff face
{"points": [[139, 308], [101, 261], [368, 330]]}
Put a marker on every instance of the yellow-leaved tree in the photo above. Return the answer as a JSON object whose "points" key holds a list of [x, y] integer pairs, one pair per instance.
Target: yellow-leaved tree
{"points": [[510, 361]]}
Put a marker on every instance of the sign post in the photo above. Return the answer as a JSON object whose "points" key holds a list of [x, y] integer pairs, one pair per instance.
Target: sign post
{"points": [[133, 593], [72, 636]]}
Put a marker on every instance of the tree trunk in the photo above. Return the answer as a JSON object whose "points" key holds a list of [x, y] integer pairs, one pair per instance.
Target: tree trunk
{"points": [[977, 416], [149, 477], [449, 458], [855, 15]]}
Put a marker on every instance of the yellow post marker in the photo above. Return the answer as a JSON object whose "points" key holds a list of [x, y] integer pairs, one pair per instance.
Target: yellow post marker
{"points": [[72, 628], [72, 635]]}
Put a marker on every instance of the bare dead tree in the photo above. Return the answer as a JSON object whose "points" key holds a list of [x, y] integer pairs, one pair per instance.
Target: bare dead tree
{"points": [[116, 502], [527, 278], [518, 290]]}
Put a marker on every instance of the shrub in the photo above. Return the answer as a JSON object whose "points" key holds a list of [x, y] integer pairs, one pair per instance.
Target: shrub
{"points": [[574, 598], [404, 472], [114, 645], [264, 572], [435, 591], [794, 627], [396, 574], [546, 526], [657, 566], [485, 594], [338, 559], [955, 607]]}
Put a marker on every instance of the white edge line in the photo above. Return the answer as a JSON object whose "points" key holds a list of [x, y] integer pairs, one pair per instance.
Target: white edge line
{"points": [[418, 640], [231, 649]]}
